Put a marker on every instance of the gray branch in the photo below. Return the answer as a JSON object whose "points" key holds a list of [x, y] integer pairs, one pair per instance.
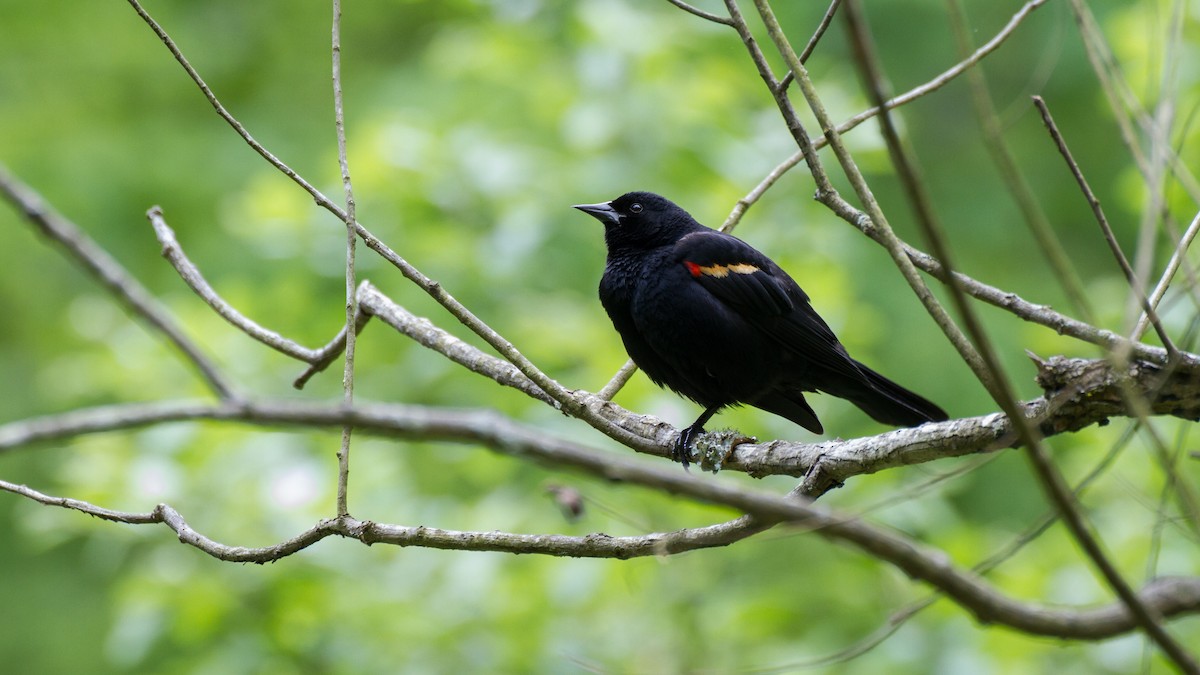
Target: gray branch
{"points": [[1168, 597], [86, 253]]}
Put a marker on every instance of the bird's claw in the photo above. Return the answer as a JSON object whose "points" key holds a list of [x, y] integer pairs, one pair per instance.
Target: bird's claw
{"points": [[682, 450]]}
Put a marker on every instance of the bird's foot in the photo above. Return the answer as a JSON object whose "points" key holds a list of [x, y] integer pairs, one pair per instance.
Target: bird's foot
{"points": [[682, 450]]}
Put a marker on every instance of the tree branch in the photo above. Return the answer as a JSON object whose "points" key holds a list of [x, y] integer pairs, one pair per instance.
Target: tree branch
{"points": [[1169, 597], [1164, 282], [191, 275], [1094, 202], [351, 240], [105, 269], [989, 369], [695, 11], [909, 96], [1079, 393], [1038, 224]]}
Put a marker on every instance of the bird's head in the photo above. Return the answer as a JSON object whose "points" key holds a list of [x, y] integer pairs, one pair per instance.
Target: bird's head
{"points": [[641, 220]]}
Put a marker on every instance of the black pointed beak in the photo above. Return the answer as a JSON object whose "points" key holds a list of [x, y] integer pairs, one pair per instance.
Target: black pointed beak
{"points": [[603, 212]]}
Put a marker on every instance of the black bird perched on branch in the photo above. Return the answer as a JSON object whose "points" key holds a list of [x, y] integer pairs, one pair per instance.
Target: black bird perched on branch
{"points": [[709, 316]]}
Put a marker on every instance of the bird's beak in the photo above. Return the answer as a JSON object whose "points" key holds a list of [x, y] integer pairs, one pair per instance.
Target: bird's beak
{"points": [[603, 212]]}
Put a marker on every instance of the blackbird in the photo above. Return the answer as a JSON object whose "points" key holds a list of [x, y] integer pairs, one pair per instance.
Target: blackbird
{"points": [[707, 315]]}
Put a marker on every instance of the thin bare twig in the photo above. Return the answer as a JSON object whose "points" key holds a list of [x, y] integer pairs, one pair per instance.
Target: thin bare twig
{"points": [[743, 204], [1035, 218], [1164, 282], [127, 290], [618, 380], [696, 11], [595, 546], [816, 36], [984, 361], [1011, 302], [903, 99], [951, 73], [1135, 283], [339, 117], [658, 436], [326, 355], [1146, 616], [372, 302], [1122, 101], [808, 48], [999, 385], [1126, 111], [173, 252]]}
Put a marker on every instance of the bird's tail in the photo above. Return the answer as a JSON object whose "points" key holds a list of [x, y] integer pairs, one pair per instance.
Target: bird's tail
{"points": [[887, 402]]}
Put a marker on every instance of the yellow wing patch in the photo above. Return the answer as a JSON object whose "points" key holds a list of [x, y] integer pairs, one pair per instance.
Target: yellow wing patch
{"points": [[719, 271]]}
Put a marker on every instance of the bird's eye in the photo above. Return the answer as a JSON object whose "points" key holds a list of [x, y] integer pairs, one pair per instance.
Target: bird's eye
{"points": [[635, 208]]}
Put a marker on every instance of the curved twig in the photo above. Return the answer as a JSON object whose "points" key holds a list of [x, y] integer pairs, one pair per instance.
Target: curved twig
{"points": [[112, 275], [173, 252], [696, 11]]}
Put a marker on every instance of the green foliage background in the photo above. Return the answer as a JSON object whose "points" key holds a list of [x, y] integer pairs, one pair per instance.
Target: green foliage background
{"points": [[473, 125]]}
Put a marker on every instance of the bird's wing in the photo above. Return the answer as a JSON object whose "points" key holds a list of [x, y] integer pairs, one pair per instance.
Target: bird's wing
{"points": [[752, 285]]}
